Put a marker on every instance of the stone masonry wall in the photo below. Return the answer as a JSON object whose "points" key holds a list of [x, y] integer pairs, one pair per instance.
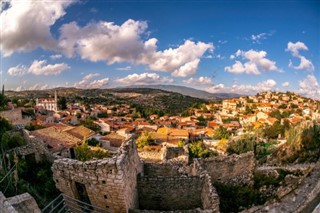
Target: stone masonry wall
{"points": [[110, 183], [170, 193], [233, 169], [175, 154], [33, 146], [163, 169]]}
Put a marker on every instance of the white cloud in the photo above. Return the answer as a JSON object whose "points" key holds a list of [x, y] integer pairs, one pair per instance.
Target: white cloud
{"points": [[215, 88], [57, 56], [257, 38], [39, 87], [99, 83], [87, 82], [310, 87], [127, 68], [144, 78], [244, 89], [304, 64], [19, 88], [18, 70], [25, 25], [295, 49], [38, 68], [188, 69], [200, 81], [285, 84], [42, 68], [256, 63], [105, 41]]}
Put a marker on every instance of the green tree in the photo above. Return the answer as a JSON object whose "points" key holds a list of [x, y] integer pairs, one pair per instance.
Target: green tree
{"points": [[274, 130], [89, 123], [198, 150], [245, 144], [220, 133], [62, 103], [145, 139], [201, 121]]}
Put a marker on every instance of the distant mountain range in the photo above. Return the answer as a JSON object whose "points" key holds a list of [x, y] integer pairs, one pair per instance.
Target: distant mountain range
{"points": [[190, 91]]}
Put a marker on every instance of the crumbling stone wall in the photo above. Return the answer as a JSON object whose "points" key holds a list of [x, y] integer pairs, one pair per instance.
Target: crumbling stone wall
{"points": [[151, 156], [33, 147], [173, 185], [233, 169], [110, 183], [161, 169], [175, 154], [170, 193], [23, 203]]}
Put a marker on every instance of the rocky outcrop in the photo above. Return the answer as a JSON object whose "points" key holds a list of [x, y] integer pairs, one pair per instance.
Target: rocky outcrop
{"points": [[302, 199]]}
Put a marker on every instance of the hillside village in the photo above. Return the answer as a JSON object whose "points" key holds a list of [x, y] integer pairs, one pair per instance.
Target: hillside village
{"points": [[114, 123], [60, 130]]}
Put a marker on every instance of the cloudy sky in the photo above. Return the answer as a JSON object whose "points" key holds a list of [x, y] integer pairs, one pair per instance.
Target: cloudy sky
{"points": [[217, 46]]}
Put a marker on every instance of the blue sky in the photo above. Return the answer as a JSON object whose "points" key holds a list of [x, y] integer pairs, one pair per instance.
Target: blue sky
{"points": [[218, 46]]}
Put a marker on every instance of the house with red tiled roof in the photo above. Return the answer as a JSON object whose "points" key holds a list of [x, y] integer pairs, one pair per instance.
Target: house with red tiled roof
{"points": [[271, 120]]}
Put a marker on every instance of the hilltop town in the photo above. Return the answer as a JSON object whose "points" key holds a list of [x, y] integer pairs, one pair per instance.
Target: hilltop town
{"points": [[127, 157]]}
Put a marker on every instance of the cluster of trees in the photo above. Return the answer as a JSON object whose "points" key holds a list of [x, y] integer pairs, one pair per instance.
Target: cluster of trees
{"points": [[145, 112]]}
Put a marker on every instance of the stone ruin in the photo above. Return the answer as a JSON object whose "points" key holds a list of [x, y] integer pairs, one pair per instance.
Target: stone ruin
{"points": [[125, 183], [23, 203]]}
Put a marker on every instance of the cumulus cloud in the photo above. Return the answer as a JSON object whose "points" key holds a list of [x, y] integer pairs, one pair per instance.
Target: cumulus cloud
{"points": [[244, 88], [88, 82], [215, 88], [144, 78], [310, 87], [188, 69], [106, 41], [285, 84], [38, 68], [200, 81], [295, 49], [38, 87], [256, 63], [25, 25], [18, 70], [42, 68]]}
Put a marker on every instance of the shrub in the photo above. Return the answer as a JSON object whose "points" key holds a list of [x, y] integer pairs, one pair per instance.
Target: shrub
{"points": [[84, 152], [145, 139], [198, 150]]}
